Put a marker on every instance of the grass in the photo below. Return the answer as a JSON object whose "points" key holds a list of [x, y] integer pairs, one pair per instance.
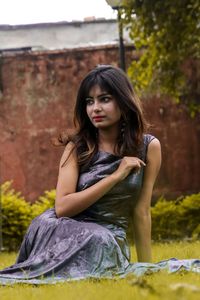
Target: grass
{"points": [[181, 286]]}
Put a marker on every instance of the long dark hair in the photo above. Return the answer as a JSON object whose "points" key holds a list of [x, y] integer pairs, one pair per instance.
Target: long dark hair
{"points": [[114, 81]]}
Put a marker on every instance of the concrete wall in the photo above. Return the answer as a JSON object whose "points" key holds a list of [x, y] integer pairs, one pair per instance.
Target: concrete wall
{"points": [[60, 35], [37, 95]]}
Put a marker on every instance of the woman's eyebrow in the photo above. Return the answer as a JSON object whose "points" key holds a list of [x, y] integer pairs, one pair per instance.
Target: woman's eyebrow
{"points": [[104, 94], [99, 96]]}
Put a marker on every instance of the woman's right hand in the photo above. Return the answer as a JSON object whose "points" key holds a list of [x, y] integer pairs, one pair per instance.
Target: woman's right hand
{"points": [[127, 164]]}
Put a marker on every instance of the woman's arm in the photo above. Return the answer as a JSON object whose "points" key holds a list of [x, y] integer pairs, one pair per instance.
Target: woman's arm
{"points": [[142, 215], [68, 201]]}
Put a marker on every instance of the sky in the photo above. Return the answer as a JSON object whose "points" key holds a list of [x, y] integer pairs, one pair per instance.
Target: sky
{"points": [[15, 12]]}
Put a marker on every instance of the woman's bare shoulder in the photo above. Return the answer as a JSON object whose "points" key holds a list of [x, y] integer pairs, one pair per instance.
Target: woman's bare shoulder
{"points": [[154, 144], [69, 154], [154, 150]]}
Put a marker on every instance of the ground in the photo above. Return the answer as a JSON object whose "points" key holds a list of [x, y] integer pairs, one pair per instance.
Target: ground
{"points": [[181, 286]]}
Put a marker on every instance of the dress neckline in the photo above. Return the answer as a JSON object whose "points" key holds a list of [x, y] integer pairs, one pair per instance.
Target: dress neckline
{"points": [[108, 153]]}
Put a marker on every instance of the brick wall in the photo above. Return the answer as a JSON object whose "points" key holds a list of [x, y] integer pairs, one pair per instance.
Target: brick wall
{"points": [[37, 95]]}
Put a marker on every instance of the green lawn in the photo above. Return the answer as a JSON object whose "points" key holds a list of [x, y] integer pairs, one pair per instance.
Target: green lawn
{"points": [[160, 285]]}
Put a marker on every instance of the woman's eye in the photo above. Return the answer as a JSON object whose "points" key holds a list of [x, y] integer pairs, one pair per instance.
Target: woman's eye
{"points": [[89, 101], [105, 99]]}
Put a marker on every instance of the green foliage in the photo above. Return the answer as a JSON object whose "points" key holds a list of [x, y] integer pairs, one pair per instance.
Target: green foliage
{"points": [[190, 215], [176, 219], [164, 220], [17, 214], [43, 203], [167, 36]]}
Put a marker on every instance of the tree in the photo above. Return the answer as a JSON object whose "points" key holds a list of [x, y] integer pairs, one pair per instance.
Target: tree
{"points": [[167, 36]]}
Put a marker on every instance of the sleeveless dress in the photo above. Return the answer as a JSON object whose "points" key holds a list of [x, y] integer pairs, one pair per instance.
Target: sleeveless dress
{"points": [[91, 244]]}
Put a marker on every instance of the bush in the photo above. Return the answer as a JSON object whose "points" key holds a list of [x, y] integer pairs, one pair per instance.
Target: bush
{"points": [[190, 215], [164, 220], [17, 214], [177, 218], [43, 203]]}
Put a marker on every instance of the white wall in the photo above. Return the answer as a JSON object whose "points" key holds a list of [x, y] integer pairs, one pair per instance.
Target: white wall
{"points": [[60, 35]]}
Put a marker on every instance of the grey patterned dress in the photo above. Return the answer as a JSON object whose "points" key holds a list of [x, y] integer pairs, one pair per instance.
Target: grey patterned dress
{"points": [[91, 244]]}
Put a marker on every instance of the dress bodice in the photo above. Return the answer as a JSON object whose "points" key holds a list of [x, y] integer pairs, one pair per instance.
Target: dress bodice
{"points": [[115, 207]]}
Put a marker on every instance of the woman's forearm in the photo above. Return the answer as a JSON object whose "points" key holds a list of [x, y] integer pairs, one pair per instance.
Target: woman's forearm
{"points": [[74, 203], [70, 203], [142, 236]]}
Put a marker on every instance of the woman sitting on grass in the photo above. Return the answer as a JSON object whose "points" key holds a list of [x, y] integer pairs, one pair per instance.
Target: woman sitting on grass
{"points": [[106, 176]]}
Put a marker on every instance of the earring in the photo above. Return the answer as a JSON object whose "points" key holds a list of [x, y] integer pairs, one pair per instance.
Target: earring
{"points": [[123, 125]]}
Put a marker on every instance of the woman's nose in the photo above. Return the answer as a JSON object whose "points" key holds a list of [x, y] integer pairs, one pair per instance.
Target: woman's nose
{"points": [[97, 106]]}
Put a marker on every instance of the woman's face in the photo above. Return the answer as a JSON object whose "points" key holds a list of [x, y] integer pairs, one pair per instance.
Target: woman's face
{"points": [[102, 109]]}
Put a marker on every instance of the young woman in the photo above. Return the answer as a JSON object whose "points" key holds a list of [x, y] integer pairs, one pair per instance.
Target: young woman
{"points": [[106, 177]]}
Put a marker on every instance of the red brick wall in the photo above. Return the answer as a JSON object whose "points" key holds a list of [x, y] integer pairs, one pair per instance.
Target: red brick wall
{"points": [[37, 94]]}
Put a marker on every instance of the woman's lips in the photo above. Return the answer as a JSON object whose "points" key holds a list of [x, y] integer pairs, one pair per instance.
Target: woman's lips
{"points": [[98, 118]]}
